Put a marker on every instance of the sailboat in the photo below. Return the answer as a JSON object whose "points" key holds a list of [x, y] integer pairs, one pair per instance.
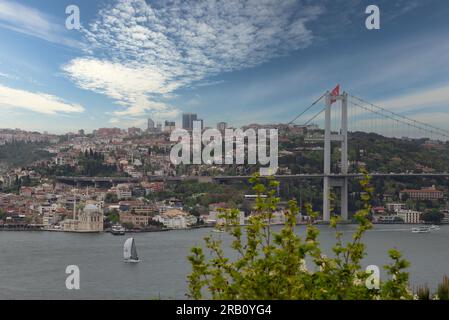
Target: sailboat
{"points": [[130, 251]]}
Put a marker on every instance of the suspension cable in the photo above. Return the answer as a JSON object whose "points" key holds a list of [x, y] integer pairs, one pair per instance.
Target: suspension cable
{"points": [[308, 108]]}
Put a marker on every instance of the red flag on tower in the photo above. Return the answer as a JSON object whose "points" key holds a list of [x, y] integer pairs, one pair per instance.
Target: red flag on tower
{"points": [[335, 92]]}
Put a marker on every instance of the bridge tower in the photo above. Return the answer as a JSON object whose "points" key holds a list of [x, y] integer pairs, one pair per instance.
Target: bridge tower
{"points": [[336, 179]]}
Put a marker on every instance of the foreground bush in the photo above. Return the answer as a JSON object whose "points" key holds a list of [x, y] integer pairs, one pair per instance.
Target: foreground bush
{"points": [[272, 265]]}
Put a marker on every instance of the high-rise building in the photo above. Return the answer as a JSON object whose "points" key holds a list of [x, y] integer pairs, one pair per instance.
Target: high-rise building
{"points": [[150, 124], [159, 127], [169, 126], [222, 126], [187, 120], [202, 123]]}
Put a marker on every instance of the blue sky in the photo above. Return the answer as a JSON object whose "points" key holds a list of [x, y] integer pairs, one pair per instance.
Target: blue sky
{"points": [[235, 61]]}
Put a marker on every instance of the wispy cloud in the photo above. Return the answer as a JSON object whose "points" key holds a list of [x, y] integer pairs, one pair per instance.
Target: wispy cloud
{"points": [[7, 75], [142, 53], [30, 21], [38, 102], [434, 97]]}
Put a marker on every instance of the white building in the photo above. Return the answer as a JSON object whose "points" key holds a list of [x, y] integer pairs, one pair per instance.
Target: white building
{"points": [[214, 218], [278, 217], [50, 218], [176, 219], [409, 216], [393, 207], [89, 220], [123, 192]]}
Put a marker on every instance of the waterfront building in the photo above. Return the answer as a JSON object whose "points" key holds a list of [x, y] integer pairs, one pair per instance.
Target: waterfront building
{"points": [[50, 218], [90, 219], [409, 216], [176, 219], [378, 210], [134, 219], [214, 218], [69, 225]]}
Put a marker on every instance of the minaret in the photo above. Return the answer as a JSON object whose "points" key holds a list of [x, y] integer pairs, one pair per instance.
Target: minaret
{"points": [[74, 207]]}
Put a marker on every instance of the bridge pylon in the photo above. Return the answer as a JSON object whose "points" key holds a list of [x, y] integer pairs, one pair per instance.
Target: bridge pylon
{"points": [[331, 180]]}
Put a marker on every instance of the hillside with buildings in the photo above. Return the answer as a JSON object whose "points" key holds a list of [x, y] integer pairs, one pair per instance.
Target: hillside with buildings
{"points": [[129, 178]]}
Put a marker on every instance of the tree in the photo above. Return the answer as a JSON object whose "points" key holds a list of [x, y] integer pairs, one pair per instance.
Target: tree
{"points": [[110, 198], [271, 265], [114, 216], [433, 216], [128, 225]]}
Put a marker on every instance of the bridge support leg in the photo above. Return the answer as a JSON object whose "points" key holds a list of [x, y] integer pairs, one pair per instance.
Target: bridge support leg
{"points": [[326, 200], [327, 160], [344, 200]]}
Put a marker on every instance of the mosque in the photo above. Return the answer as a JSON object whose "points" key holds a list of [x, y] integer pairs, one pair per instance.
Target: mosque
{"points": [[89, 220]]}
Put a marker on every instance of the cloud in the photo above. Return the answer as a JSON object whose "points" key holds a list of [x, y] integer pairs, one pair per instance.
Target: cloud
{"points": [[140, 54], [128, 84], [418, 100], [30, 21], [38, 102], [6, 75]]}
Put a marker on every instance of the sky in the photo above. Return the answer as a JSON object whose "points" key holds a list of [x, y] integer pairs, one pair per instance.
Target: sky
{"points": [[235, 61]]}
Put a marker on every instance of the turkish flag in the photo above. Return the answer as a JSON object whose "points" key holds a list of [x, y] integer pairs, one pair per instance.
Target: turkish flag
{"points": [[335, 92]]}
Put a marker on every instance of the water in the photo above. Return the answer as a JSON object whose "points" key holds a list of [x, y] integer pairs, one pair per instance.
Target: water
{"points": [[32, 264]]}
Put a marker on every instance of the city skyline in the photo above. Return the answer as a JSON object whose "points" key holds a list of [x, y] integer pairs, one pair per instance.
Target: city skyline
{"points": [[56, 80]]}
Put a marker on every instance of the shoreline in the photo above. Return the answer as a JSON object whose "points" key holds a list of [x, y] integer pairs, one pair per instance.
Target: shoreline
{"points": [[38, 229]]}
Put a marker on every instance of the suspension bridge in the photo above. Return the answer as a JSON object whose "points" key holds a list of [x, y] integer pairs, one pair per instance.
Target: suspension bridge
{"points": [[345, 113]]}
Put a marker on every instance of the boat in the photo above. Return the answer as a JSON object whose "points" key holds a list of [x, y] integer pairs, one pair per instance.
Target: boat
{"points": [[118, 230], [130, 251], [421, 230], [434, 228]]}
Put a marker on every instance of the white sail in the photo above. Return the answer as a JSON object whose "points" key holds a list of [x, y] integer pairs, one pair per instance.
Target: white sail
{"points": [[127, 248], [130, 251]]}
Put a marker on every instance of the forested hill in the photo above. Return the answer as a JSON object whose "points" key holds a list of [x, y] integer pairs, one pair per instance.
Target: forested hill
{"points": [[19, 154], [378, 153], [384, 154]]}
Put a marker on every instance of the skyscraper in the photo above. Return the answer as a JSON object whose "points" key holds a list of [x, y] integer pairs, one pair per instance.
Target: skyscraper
{"points": [[150, 124], [169, 126], [187, 120], [222, 126], [202, 123]]}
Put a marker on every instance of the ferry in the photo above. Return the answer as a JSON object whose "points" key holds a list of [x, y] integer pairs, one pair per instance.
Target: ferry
{"points": [[434, 228], [421, 230], [118, 230]]}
